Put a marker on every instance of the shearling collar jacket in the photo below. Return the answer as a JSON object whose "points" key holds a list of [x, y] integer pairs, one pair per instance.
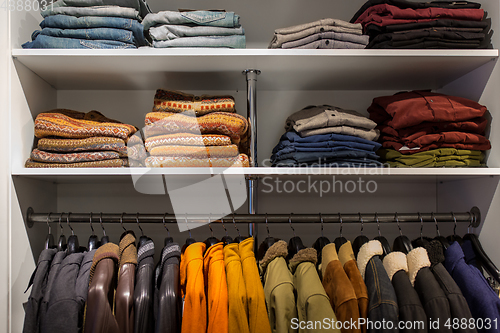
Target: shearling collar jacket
{"points": [[279, 288], [410, 307]]}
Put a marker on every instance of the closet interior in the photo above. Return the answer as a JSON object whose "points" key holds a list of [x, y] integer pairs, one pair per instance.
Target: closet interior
{"points": [[122, 83]]}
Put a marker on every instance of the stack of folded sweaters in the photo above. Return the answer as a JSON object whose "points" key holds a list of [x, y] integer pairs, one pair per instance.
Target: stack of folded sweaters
{"points": [[420, 25], [91, 24], [425, 129], [194, 131], [72, 139], [322, 34], [195, 29], [327, 136]]}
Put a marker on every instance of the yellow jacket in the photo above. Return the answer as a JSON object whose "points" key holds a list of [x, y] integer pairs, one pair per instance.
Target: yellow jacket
{"points": [[237, 295], [258, 320], [194, 319], [216, 289]]}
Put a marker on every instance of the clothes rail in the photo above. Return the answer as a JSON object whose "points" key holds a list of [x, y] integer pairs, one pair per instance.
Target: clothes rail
{"points": [[473, 217]]}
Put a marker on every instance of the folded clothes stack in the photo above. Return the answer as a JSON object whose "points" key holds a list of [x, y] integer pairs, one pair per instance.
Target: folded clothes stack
{"points": [[425, 129], [91, 24], [199, 28], [72, 139], [322, 34], [402, 24], [327, 136], [194, 131]]}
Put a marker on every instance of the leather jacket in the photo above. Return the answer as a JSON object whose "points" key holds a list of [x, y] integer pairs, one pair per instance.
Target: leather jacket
{"points": [[124, 298], [144, 290], [168, 301]]}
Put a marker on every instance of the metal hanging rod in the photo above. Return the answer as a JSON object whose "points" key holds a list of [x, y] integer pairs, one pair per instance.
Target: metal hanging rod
{"points": [[473, 217]]}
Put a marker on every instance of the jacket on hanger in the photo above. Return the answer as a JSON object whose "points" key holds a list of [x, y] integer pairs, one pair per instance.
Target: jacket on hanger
{"points": [[236, 291], [340, 290], [216, 289], [144, 289], [124, 298], [99, 316], [347, 259], [168, 299], [383, 303], [482, 300], [55, 266], [431, 295], [258, 320], [313, 304], [410, 307], [38, 283], [458, 304], [279, 288], [194, 318]]}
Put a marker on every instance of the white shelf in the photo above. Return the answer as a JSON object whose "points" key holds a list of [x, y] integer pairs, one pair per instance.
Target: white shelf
{"points": [[220, 69], [261, 171]]}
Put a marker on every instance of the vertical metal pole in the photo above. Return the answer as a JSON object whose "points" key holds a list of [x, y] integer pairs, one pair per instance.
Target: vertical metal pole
{"points": [[251, 76]]}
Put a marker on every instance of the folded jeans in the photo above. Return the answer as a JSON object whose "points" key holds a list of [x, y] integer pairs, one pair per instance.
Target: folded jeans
{"points": [[199, 17], [168, 32], [233, 42], [49, 42]]}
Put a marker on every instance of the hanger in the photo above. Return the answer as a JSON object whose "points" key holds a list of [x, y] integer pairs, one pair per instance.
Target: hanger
{"points": [[210, 241], [143, 239], [93, 241], [240, 238], [61, 244], [441, 239], [421, 241], [339, 241], [49, 240], [361, 239], [105, 238], [168, 239], [321, 242], [482, 257], [386, 247], [266, 244], [226, 239], [455, 237], [402, 243], [295, 243], [189, 240], [73, 244]]}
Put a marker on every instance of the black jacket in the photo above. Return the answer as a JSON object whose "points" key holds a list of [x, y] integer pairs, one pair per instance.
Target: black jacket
{"points": [[431, 295], [410, 307], [458, 304], [168, 299], [144, 290], [38, 282]]}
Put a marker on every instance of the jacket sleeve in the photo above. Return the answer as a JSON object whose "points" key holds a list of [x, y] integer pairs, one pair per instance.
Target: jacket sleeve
{"points": [[282, 308], [170, 302], [124, 309], [143, 300]]}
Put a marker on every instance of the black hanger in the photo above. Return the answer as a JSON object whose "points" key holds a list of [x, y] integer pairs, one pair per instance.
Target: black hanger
{"points": [[266, 244], [143, 239], [49, 240], [386, 247], [61, 244], [93, 240], [441, 239], [240, 238], [321, 242], [226, 239], [125, 231], [360, 240], [339, 241], [210, 241], [189, 240], [421, 241], [168, 239], [482, 257], [455, 237], [104, 238], [401, 243], [73, 244], [295, 243]]}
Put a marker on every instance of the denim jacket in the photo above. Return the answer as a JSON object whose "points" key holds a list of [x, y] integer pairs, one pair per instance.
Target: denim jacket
{"points": [[383, 304]]}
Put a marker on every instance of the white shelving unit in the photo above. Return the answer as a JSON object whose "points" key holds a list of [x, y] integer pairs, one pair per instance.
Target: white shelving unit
{"points": [[121, 84]]}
